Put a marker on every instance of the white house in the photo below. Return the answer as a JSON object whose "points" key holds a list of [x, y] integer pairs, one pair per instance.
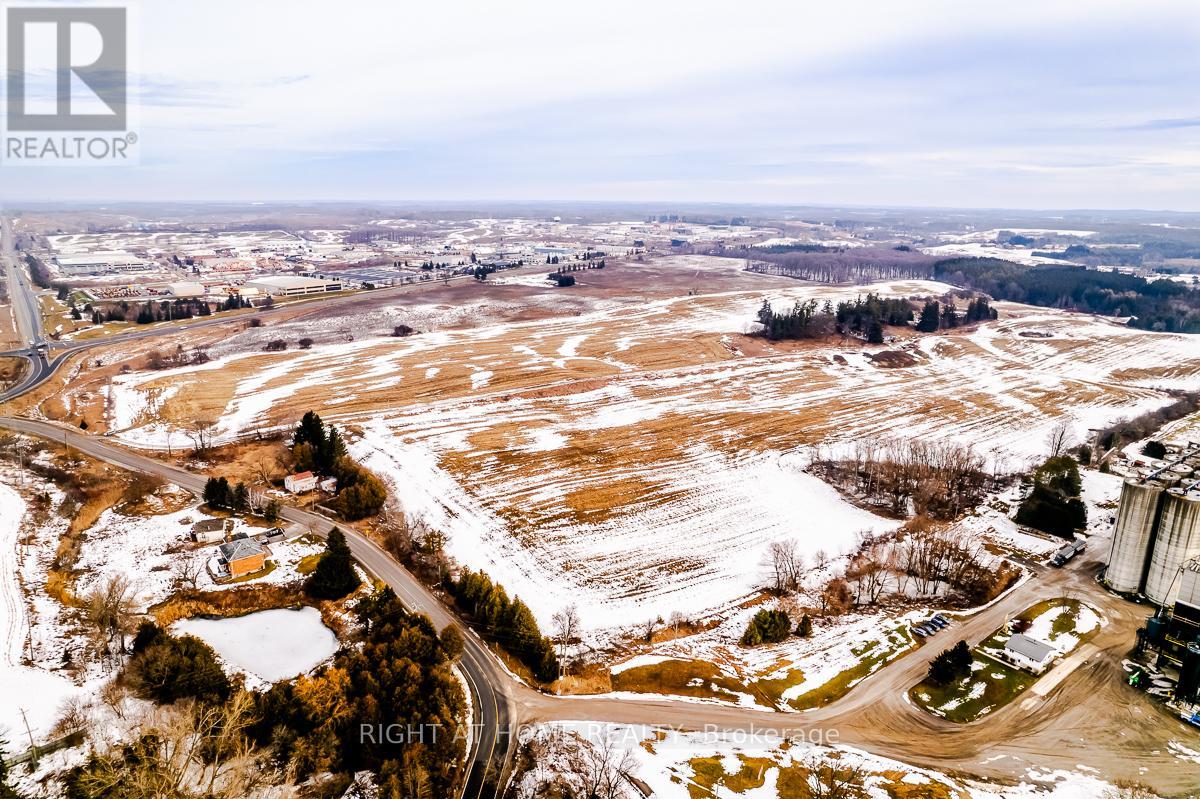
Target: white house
{"points": [[300, 482], [1028, 653]]}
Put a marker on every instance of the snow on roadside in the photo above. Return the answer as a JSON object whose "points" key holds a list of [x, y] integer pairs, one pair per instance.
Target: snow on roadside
{"points": [[680, 765]]}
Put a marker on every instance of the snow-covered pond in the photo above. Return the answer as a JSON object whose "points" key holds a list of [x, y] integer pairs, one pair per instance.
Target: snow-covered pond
{"points": [[271, 644]]}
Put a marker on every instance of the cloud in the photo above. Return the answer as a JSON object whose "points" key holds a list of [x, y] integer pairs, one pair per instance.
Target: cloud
{"points": [[928, 102]]}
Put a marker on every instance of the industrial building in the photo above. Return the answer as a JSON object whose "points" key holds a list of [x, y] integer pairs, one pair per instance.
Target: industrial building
{"points": [[293, 285], [101, 262], [1174, 634], [1158, 529]]}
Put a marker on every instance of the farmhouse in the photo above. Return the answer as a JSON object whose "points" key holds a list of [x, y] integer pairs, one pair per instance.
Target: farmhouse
{"points": [[300, 482], [1028, 653], [208, 531], [244, 556]]}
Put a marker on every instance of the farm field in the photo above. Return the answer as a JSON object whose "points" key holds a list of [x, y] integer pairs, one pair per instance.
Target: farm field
{"points": [[635, 455]]}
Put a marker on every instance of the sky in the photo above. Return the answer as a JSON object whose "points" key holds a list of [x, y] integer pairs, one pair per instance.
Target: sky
{"points": [[1087, 104]]}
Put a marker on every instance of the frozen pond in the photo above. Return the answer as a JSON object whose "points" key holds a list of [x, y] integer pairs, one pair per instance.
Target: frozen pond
{"points": [[271, 644]]}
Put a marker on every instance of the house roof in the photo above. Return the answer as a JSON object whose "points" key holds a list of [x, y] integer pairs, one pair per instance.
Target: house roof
{"points": [[1028, 647], [301, 475], [242, 548], [208, 525]]}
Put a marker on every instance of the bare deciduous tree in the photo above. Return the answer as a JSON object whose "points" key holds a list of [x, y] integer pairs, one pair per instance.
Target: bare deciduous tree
{"points": [[186, 572], [200, 431], [786, 565], [832, 779], [109, 611], [649, 626], [184, 750], [566, 630], [1060, 438]]}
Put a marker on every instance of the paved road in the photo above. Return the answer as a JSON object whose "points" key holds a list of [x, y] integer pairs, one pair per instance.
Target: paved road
{"points": [[1089, 717], [26, 313], [488, 681], [1056, 728]]}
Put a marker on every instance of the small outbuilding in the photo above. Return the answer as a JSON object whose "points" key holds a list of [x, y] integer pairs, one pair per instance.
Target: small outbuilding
{"points": [[208, 531], [1028, 653]]}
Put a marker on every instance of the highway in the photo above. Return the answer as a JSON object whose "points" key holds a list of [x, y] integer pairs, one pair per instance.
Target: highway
{"points": [[26, 313], [1047, 730], [492, 744]]}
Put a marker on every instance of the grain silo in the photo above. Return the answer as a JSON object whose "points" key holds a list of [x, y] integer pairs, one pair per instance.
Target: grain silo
{"points": [[1133, 535], [1176, 542]]}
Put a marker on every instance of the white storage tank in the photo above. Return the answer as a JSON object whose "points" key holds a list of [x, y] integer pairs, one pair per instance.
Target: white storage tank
{"points": [[1133, 535], [1177, 542]]}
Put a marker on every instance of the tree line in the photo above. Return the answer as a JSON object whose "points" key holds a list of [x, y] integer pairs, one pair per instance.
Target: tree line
{"points": [[1162, 305], [937, 479], [508, 621], [865, 317]]}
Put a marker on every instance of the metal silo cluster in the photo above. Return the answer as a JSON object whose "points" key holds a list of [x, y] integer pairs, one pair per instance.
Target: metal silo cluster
{"points": [[1157, 529]]}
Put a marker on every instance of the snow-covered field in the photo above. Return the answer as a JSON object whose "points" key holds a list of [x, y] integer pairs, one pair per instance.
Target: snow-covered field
{"points": [[682, 765], [30, 693], [637, 459], [270, 645]]}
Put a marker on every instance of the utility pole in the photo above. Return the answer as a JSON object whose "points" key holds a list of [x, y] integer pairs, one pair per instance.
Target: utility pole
{"points": [[32, 746]]}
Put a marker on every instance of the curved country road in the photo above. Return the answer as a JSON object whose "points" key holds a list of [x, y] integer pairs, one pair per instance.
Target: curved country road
{"points": [[1089, 717], [493, 714]]}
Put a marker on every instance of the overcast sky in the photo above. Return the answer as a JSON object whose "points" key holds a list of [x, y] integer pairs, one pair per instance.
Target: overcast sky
{"points": [[985, 104]]}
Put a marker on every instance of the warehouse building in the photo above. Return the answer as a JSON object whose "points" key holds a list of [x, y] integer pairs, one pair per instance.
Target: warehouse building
{"points": [[293, 285], [100, 263]]}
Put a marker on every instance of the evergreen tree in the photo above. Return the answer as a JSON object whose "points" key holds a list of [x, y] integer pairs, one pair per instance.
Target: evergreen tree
{"points": [[930, 317], [311, 431], [951, 665], [332, 449], [334, 576], [1053, 504], [240, 499], [7, 791], [216, 492], [805, 628], [875, 332], [767, 627]]}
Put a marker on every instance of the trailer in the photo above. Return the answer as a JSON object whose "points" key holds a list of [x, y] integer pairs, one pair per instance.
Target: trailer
{"points": [[1066, 553]]}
